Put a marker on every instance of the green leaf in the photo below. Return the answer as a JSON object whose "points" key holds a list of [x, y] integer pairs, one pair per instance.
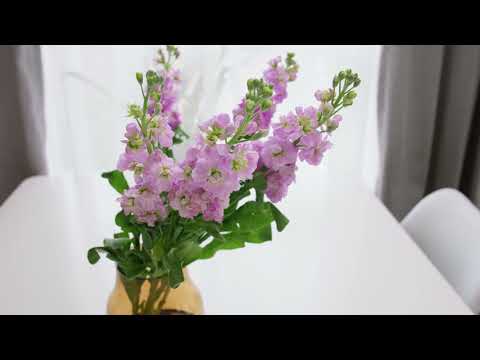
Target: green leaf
{"points": [[147, 240], [280, 219], [175, 273], [132, 287], [168, 152], [253, 215], [118, 243], [215, 245], [188, 251], [179, 136], [93, 256], [259, 182], [213, 229], [120, 235], [157, 250], [117, 180], [122, 220], [259, 236], [235, 198], [131, 271], [125, 222], [178, 230]]}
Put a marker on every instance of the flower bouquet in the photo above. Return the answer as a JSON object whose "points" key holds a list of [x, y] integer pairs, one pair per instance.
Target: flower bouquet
{"points": [[176, 212]]}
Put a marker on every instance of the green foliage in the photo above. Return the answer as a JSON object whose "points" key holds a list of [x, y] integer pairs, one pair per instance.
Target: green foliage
{"points": [[117, 180], [143, 252], [280, 219], [180, 136], [93, 256]]}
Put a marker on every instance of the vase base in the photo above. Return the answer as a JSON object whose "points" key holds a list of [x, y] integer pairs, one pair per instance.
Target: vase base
{"points": [[173, 312]]}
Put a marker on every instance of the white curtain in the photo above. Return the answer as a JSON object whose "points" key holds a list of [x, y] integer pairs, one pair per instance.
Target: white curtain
{"points": [[87, 89]]}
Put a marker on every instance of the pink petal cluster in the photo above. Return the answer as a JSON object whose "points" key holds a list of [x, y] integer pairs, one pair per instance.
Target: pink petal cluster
{"points": [[277, 75], [168, 91], [207, 177], [144, 203], [201, 184], [219, 127]]}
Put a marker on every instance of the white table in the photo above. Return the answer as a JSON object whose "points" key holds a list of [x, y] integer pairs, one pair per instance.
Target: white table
{"points": [[342, 253]]}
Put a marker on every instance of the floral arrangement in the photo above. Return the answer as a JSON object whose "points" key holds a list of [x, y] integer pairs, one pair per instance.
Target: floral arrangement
{"points": [[177, 212]]}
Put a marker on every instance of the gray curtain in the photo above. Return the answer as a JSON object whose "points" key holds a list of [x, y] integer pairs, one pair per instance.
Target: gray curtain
{"points": [[22, 135], [429, 123]]}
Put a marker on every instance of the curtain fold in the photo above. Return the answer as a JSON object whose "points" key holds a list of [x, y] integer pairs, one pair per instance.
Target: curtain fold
{"points": [[22, 139], [428, 123]]}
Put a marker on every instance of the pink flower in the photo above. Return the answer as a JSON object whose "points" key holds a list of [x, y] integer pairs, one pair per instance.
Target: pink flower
{"points": [[127, 201], [213, 207], [239, 116], [217, 128], [168, 95], [278, 76], [160, 171], [213, 171], [174, 119], [160, 131], [324, 95], [307, 119], [257, 146], [144, 204], [263, 119], [334, 122], [245, 159], [134, 137], [279, 181], [186, 201], [278, 152], [287, 128], [313, 147], [275, 61], [183, 172], [132, 160]]}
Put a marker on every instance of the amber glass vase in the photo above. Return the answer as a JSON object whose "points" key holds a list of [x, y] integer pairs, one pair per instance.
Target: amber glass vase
{"points": [[154, 297]]}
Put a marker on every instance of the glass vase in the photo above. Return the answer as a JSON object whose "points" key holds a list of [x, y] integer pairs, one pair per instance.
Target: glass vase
{"points": [[154, 297]]}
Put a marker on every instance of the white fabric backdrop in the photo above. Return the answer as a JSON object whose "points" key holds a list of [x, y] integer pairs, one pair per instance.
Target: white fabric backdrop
{"points": [[87, 89]]}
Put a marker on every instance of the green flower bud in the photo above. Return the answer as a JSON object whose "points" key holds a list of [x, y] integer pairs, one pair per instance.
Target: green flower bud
{"points": [[347, 102], [351, 95], [139, 77], [134, 111], [171, 49], [341, 75], [161, 57], [266, 104], [356, 82], [290, 61], [249, 105], [250, 84], [155, 96], [321, 118], [325, 108], [335, 81], [267, 91], [152, 77], [176, 53]]}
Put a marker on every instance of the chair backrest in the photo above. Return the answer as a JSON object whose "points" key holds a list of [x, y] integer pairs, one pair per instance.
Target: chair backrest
{"points": [[446, 226]]}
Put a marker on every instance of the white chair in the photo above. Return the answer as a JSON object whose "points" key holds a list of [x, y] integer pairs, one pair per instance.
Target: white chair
{"points": [[446, 226]]}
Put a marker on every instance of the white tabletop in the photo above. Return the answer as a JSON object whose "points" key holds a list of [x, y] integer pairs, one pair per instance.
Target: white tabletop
{"points": [[342, 253]]}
